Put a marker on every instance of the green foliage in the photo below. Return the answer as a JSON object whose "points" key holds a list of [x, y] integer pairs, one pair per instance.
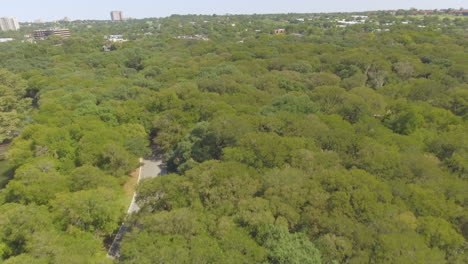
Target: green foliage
{"points": [[186, 240], [96, 210], [284, 247], [88, 178], [37, 182], [200, 145], [323, 144], [266, 149], [14, 105], [439, 233], [323, 79], [404, 119], [292, 104], [19, 225]]}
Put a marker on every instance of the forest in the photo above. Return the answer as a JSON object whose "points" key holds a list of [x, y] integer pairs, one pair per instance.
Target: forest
{"points": [[323, 144]]}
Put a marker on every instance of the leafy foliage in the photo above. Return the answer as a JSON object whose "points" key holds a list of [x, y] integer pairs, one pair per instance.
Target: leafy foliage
{"points": [[322, 145]]}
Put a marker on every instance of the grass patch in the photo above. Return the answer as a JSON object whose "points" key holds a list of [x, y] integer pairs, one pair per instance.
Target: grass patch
{"points": [[130, 185]]}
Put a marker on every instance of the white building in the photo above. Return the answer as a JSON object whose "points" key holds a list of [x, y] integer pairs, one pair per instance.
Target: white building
{"points": [[9, 23], [115, 38], [360, 17], [349, 22], [5, 40], [195, 37]]}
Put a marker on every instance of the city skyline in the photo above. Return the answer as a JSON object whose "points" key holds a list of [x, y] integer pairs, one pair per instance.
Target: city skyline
{"points": [[51, 10]]}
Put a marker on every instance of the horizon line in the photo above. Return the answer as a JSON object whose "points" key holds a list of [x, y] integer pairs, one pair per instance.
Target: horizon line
{"points": [[238, 14]]}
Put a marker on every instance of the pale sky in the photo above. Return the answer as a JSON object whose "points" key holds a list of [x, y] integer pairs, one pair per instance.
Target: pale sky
{"points": [[48, 10]]}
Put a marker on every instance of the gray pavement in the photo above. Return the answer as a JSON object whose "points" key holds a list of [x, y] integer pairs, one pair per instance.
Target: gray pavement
{"points": [[152, 168], [149, 168]]}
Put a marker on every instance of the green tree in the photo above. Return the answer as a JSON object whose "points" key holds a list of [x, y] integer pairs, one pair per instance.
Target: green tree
{"points": [[292, 104], [14, 105], [284, 247], [440, 233], [97, 211], [404, 119], [37, 182], [406, 248]]}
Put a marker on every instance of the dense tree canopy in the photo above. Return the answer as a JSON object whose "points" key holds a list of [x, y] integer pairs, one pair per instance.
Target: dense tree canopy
{"points": [[325, 144], [14, 105]]}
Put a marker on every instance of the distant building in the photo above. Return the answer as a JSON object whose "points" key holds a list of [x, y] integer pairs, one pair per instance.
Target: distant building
{"points": [[343, 21], [9, 23], [5, 40], [194, 37], [426, 12], [115, 38], [43, 34], [461, 12], [280, 31], [360, 17], [116, 15]]}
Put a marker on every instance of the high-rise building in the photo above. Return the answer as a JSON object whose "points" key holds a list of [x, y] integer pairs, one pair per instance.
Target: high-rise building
{"points": [[9, 23], [117, 15], [43, 34]]}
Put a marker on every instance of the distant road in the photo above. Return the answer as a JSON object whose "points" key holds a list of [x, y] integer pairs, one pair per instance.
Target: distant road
{"points": [[149, 168]]}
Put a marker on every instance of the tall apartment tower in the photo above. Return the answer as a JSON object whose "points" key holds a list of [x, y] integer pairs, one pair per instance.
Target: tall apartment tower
{"points": [[9, 23], [117, 15]]}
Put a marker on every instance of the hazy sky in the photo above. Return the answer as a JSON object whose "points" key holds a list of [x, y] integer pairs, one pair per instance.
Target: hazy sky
{"points": [[29, 10]]}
